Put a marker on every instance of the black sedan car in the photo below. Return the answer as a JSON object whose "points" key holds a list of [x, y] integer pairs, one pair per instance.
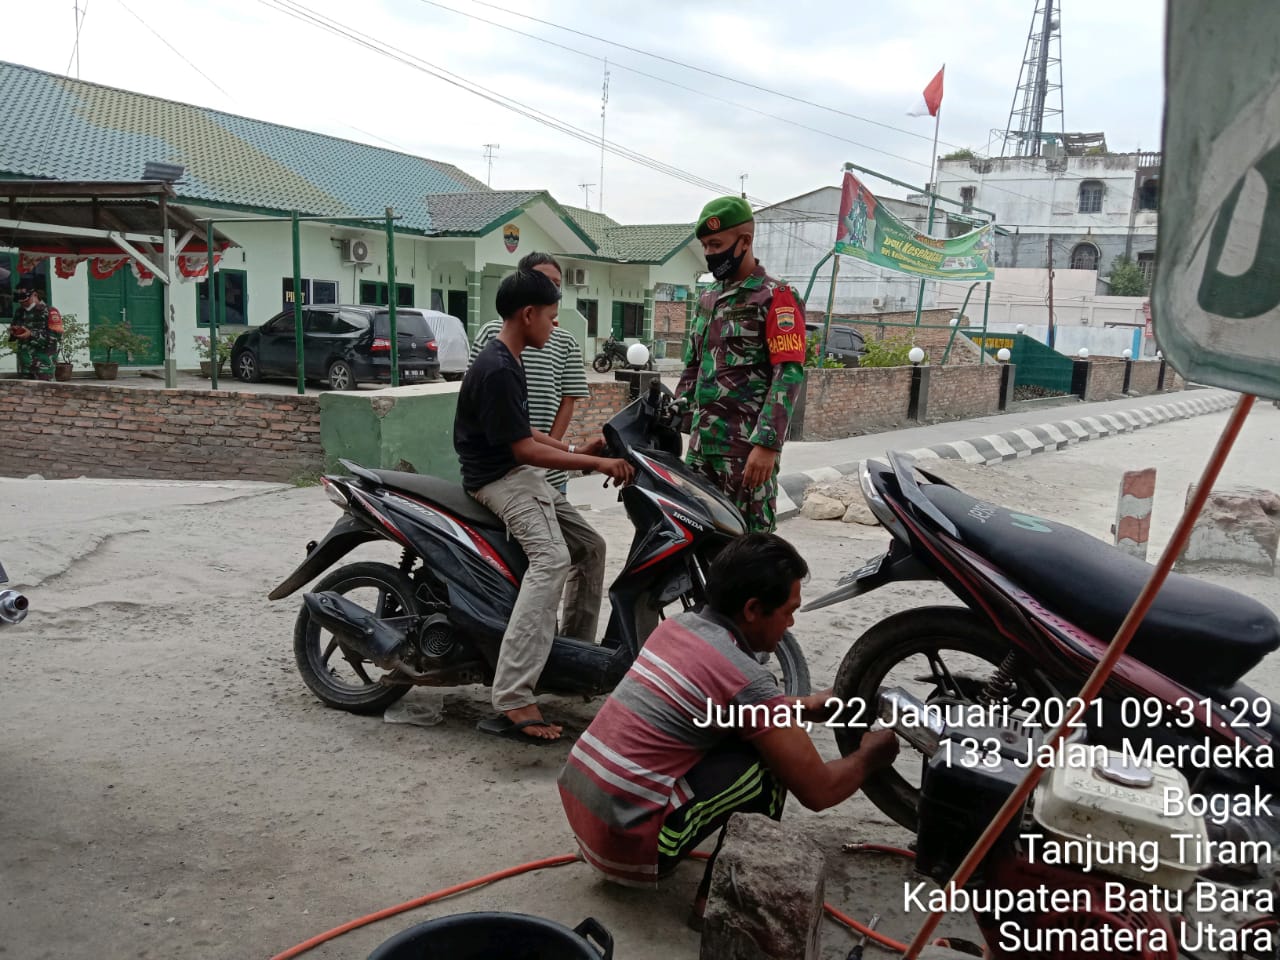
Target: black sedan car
{"points": [[844, 343], [344, 345]]}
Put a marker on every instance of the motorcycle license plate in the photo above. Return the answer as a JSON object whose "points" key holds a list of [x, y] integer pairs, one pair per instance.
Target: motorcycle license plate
{"points": [[869, 569]]}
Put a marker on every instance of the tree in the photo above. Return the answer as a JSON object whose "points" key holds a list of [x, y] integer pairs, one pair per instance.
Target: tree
{"points": [[1127, 279]]}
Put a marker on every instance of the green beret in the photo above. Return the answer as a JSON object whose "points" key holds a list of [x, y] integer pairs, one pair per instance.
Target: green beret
{"points": [[722, 214]]}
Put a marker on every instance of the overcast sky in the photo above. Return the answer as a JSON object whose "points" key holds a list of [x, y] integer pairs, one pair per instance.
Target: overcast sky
{"points": [[869, 60]]}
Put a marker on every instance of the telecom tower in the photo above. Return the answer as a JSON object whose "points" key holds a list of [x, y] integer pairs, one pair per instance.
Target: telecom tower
{"points": [[1031, 114]]}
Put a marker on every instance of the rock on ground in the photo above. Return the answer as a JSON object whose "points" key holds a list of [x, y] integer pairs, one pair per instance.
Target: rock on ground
{"points": [[766, 893], [1238, 525], [818, 507]]}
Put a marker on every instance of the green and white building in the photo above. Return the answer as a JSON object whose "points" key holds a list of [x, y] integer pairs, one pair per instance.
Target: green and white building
{"points": [[455, 238]]}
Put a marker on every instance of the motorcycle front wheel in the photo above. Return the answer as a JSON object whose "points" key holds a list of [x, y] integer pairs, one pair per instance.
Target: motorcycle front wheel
{"points": [[601, 364], [938, 655], [337, 675]]}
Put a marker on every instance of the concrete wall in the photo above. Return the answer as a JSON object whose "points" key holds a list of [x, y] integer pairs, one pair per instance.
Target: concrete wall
{"points": [[960, 392], [846, 403], [1144, 376], [1106, 380], [58, 431], [411, 428]]}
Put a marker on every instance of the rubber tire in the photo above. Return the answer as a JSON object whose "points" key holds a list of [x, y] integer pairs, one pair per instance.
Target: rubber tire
{"points": [[341, 365], [379, 697], [795, 669], [602, 364], [250, 372], [881, 648], [452, 377]]}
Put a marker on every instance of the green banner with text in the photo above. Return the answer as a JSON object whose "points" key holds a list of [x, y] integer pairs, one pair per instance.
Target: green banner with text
{"points": [[869, 231]]}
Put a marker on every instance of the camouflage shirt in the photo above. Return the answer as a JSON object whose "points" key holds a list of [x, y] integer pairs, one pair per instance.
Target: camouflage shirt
{"points": [[744, 365], [36, 322]]}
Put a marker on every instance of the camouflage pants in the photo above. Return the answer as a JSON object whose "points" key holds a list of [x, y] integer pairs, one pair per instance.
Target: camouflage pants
{"points": [[35, 363], [758, 506]]}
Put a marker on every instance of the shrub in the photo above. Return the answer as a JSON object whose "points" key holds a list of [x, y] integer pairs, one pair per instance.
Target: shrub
{"points": [[886, 353]]}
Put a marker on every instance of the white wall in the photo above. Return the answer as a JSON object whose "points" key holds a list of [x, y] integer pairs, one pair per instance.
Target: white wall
{"points": [[1032, 192], [1020, 295], [792, 236]]}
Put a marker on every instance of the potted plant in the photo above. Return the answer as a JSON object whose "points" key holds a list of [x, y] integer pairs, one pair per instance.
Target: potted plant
{"points": [[118, 339], [206, 359], [75, 340]]}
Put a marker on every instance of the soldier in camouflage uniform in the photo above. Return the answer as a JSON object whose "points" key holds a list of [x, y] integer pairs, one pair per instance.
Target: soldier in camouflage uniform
{"points": [[744, 365], [37, 346]]}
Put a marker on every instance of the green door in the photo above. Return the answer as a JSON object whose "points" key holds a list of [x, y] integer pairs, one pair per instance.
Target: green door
{"points": [[617, 320], [119, 297]]}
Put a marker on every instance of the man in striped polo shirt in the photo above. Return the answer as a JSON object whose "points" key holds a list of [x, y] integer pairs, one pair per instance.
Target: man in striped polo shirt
{"points": [[554, 373], [699, 730]]}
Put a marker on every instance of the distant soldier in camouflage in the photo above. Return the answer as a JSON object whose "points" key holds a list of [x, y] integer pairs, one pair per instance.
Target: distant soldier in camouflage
{"points": [[744, 365], [37, 344]]}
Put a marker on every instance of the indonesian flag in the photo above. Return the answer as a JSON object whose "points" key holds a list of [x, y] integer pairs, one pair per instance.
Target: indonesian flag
{"points": [[930, 101]]}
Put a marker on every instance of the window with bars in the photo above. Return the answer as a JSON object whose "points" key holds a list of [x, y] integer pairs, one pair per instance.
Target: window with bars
{"points": [[1147, 264], [1149, 194], [1091, 196], [1084, 256], [375, 292], [966, 197]]}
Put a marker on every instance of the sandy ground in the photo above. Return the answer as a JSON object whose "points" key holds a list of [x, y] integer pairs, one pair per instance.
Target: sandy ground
{"points": [[169, 788]]}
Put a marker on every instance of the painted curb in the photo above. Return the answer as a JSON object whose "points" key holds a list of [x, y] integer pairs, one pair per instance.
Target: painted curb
{"points": [[1019, 442]]}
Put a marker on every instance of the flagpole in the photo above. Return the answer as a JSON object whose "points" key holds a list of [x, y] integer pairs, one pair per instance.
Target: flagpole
{"points": [[932, 190]]}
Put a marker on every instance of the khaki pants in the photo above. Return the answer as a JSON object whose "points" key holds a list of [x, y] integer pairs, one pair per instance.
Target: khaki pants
{"points": [[557, 542]]}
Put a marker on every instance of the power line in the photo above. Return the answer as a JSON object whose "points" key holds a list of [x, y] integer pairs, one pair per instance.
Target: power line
{"points": [[296, 11], [689, 66], [681, 86], [174, 49]]}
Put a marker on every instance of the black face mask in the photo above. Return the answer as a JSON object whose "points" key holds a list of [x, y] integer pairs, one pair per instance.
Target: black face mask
{"points": [[725, 264]]}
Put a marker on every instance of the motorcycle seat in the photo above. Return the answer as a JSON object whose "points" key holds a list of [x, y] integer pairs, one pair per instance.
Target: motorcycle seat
{"points": [[1201, 635], [451, 496]]}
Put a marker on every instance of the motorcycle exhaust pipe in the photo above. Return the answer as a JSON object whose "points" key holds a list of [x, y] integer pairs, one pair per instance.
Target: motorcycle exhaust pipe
{"points": [[356, 627], [13, 606]]}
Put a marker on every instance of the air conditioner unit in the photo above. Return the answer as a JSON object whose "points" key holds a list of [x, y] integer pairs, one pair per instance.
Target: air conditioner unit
{"points": [[877, 302], [578, 277], [355, 251]]}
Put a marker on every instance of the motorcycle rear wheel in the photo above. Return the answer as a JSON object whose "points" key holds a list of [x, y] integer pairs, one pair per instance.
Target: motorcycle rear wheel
{"points": [[602, 363], [926, 632], [315, 649], [794, 667]]}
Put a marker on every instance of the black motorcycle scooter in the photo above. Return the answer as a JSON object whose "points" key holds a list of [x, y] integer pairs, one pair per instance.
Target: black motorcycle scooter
{"points": [[438, 618]]}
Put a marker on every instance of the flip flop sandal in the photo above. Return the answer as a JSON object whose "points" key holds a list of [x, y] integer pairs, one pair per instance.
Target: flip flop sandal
{"points": [[503, 727]]}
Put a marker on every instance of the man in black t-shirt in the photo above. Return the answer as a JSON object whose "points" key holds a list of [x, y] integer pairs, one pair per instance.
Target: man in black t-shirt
{"points": [[502, 459]]}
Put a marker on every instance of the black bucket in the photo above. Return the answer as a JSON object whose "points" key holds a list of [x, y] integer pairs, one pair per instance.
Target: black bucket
{"points": [[498, 936]]}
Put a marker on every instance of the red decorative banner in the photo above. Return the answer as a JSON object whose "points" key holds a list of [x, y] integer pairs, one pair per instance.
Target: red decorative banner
{"points": [[103, 268], [196, 265], [30, 262], [143, 275], [66, 267]]}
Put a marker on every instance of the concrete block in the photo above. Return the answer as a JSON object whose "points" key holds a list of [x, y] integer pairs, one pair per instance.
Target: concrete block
{"points": [[1238, 525], [401, 428], [766, 894]]}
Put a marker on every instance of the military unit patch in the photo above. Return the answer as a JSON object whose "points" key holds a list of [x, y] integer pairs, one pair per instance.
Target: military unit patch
{"points": [[786, 318], [713, 224]]}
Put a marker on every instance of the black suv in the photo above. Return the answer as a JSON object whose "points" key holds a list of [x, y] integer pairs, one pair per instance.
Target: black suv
{"points": [[344, 345], [844, 343]]}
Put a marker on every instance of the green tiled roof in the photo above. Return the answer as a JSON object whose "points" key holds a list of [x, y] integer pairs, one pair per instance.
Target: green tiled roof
{"points": [[52, 127], [637, 243], [474, 212]]}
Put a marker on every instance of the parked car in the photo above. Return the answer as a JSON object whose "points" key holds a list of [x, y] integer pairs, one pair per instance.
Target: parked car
{"points": [[345, 345], [844, 343], [452, 346]]}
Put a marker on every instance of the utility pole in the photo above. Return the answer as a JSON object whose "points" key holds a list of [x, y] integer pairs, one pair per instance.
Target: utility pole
{"points": [[742, 179], [586, 194], [489, 148], [604, 103], [1051, 337]]}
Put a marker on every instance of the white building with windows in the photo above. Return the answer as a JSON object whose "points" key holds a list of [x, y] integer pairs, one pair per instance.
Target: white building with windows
{"points": [[1077, 209]]}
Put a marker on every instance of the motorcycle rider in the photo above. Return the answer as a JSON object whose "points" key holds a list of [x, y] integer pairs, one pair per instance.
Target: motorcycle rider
{"points": [[502, 458], [698, 729]]}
